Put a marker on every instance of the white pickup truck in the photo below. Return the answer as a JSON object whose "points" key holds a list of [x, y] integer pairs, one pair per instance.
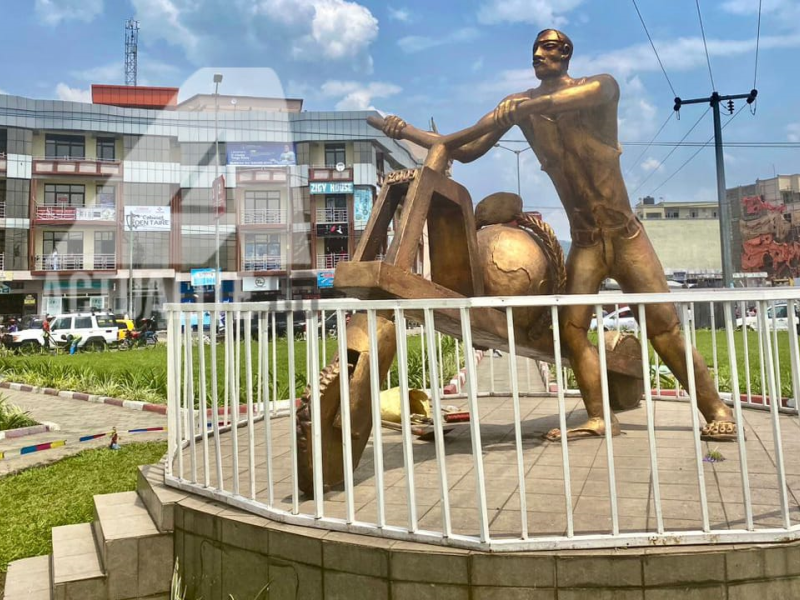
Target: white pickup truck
{"points": [[97, 332]]}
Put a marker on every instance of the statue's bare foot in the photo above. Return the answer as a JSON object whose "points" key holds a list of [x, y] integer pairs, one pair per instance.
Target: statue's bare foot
{"points": [[719, 431], [594, 427]]}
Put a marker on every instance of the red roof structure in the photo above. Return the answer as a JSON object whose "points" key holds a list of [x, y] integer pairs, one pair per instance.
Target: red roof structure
{"points": [[129, 96]]}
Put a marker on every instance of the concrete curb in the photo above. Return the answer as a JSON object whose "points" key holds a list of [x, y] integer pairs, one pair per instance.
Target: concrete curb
{"points": [[160, 409], [460, 378], [10, 434]]}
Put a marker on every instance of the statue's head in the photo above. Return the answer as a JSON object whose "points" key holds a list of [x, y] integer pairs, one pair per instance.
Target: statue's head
{"points": [[551, 53]]}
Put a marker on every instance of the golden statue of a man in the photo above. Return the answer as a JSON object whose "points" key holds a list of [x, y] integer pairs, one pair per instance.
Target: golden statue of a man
{"points": [[571, 125]]}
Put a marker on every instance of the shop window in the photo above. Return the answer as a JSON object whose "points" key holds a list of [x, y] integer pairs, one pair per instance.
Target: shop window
{"points": [[334, 154], [64, 195]]}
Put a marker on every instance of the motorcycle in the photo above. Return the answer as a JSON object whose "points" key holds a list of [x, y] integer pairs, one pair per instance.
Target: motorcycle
{"points": [[144, 337]]}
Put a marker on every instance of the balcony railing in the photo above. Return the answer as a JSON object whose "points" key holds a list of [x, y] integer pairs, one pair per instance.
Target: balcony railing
{"points": [[330, 173], [2, 262], [329, 261], [265, 263], [264, 216], [75, 262], [331, 215], [88, 167], [46, 212], [2, 210]]}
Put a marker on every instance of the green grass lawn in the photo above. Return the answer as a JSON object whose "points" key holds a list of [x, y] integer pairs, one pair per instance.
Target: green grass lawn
{"points": [[36, 500], [142, 374]]}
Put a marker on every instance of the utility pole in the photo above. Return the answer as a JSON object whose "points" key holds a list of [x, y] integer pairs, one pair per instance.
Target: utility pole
{"points": [[725, 224]]}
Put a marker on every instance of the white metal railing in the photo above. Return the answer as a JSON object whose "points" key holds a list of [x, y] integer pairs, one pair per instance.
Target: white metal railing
{"points": [[331, 215], [264, 263], [329, 261], [264, 216], [47, 212], [2, 210], [500, 454], [75, 262]]}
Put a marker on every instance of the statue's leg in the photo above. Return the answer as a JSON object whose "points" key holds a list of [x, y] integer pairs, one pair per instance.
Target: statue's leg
{"points": [[637, 269], [586, 269]]}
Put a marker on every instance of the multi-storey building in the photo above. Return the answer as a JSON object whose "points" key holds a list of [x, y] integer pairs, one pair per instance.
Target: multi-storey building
{"points": [[685, 236], [110, 204]]}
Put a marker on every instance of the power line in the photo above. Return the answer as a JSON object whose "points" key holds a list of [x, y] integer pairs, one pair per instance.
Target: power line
{"points": [[704, 145], [758, 39], [705, 45], [653, 46], [638, 158], [646, 179]]}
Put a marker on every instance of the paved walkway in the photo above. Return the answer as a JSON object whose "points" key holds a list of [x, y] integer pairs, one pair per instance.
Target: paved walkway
{"points": [[75, 418]]}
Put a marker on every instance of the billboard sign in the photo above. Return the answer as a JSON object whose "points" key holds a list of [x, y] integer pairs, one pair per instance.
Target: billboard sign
{"points": [[203, 277], [331, 187], [148, 218], [362, 206], [262, 154], [325, 279]]}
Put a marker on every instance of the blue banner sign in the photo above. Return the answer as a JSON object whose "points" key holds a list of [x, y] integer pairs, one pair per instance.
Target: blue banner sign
{"points": [[362, 207], [325, 279], [332, 187], [263, 154]]}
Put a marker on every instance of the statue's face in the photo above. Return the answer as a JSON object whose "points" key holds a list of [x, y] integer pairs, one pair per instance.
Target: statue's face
{"points": [[549, 56]]}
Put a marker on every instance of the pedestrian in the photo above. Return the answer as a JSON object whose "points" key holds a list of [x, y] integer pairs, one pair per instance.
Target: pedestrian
{"points": [[72, 342]]}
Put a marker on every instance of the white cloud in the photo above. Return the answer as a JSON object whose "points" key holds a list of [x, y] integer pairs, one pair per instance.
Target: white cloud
{"points": [[651, 164], [478, 64], [399, 14], [358, 96], [52, 12], [418, 43], [785, 10], [3, 92], [64, 92], [793, 132], [307, 30], [543, 13]]}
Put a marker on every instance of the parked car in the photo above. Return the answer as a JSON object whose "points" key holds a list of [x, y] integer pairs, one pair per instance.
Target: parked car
{"points": [[781, 320], [123, 325], [621, 319], [97, 331]]}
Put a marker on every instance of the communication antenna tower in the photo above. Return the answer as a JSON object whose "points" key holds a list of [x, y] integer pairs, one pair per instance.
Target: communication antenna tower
{"points": [[131, 50]]}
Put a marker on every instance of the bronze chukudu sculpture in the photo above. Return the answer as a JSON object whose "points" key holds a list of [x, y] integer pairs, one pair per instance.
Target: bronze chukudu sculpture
{"points": [[571, 124]]}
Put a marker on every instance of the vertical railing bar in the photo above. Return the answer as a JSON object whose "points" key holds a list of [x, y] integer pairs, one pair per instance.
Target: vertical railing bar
{"points": [[474, 423], [377, 434], [714, 347], [228, 370], [608, 419], [236, 355], [344, 405], [215, 408], [743, 313], [292, 409], [190, 413], [693, 322], [263, 332], [441, 362], [251, 440], [437, 423], [491, 371], [774, 409], [175, 354], [179, 379], [458, 368], [528, 374], [202, 402], [562, 419], [289, 338], [776, 354], [761, 365], [737, 412], [260, 404], [312, 345], [794, 353], [423, 354], [405, 416], [658, 373], [701, 482], [651, 418], [170, 392], [324, 344]]}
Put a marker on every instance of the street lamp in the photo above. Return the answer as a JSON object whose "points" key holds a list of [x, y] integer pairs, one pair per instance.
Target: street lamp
{"points": [[517, 152], [217, 274]]}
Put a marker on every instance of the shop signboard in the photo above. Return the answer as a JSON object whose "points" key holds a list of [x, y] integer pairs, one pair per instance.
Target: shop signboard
{"points": [[362, 207], [262, 154], [331, 187], [260, 284], [203, 277], [325, 279], [148, 218]]}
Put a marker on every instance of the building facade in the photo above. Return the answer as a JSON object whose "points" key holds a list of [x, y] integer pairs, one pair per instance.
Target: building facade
{"points": [[766, 226], [110, 205], [685, 236]]}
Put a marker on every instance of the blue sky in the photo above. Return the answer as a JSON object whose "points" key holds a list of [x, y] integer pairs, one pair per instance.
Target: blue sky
{"points": [[452, 61]]}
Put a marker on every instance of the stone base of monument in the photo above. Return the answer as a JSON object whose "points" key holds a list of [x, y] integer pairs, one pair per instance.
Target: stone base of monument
{"points": [[223, 550]]}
